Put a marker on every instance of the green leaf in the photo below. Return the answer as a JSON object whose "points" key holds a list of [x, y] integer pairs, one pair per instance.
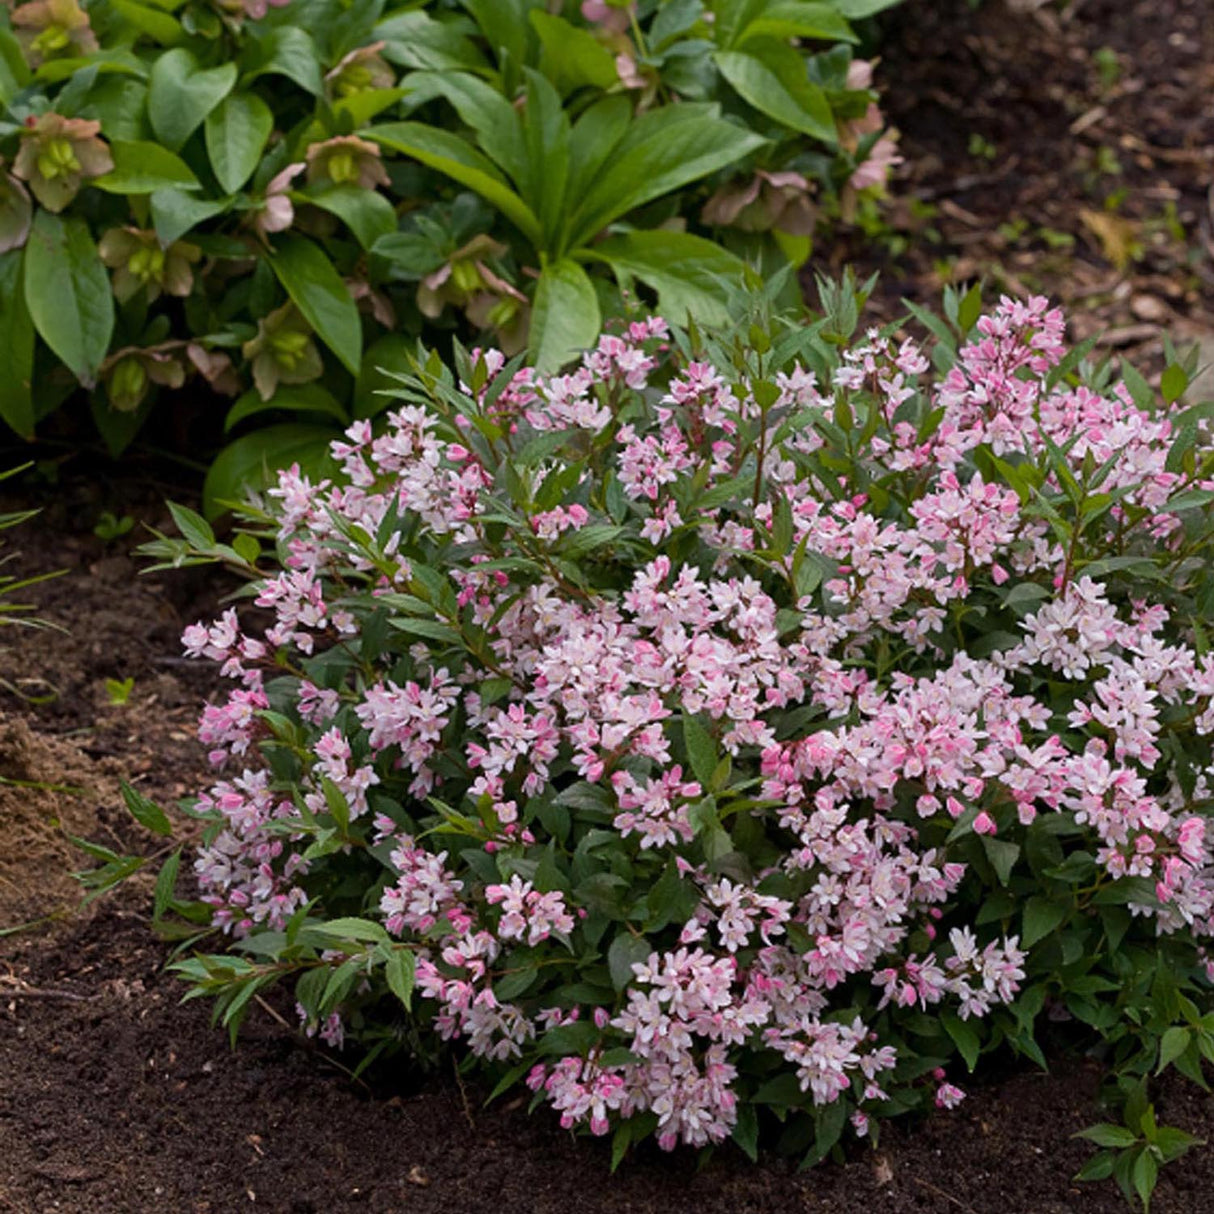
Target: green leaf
{"points": [[572, 58], [1145, 1174], [317, 290], [662, 151], [160, 26], [1002, 855], [565, 317], [174, 213], [965, 1037], [626, 951], [17, 342], [236, 133], [296, 398], [746, 1131], [1174, 382], [181, 95], [1041, 916], [143, 168], [399, 971], [1172, 1044], [253, 461], [417, 40], [456, 158], [147, 813], [701, 749], [14, 72], [195, 530], [351, 927], [1108, 1135], [68, 294], [855, 10], [367, 214], [504, 26], [692, 276], [286, 51], [166, 885], [785, 19], [771, 76]]}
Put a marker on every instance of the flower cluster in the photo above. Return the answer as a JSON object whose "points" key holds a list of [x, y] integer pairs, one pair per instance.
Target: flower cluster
{"points": [[684, 727]]}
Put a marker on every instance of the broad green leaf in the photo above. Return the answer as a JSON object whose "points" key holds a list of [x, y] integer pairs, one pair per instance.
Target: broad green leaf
{"points": [[68, 293], [295, 398], [143, 168], [174, 213], [626, 951], [121, 61], [181, 95], [565, 317], [160, 26], [965, 1037], [1041, 916], [1117, 1137], [857, 10], [572, 58], [499, 130], [367, 214], [286, 51], [595, 136], [317, 290], [236, 134], [253, 461], [17, 342], [692, 276], [459, 160], [416, 40], [14, 73], [504, 25], [771, 76], [786, 19], [662, 151]]}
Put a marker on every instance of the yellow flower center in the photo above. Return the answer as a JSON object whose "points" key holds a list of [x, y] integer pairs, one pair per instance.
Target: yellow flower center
{"points": [[57, 159], [343, 167], [147, 264], [129, 379], [288, 348], [466, 276]]}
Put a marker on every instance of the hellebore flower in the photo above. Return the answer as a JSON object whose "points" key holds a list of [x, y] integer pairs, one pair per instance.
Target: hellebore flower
{"points": [[278, 213], [130, 373], [360, 71], [769, 200], [49, 29], [215, 368], [874, 169], [138, 261], [57, 154], [16, 211], [347, 160], [283, 351]]}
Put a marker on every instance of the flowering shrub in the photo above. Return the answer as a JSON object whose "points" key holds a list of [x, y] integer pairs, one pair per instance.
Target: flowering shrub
{"points": [[172, 174], [734, 731]]}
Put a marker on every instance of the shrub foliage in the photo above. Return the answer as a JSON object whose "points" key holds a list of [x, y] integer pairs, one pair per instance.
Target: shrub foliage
{"points": [[740, 732]]}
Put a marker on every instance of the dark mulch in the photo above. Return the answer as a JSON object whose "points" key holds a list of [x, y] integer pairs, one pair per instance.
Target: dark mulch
{"points": [[114, 1097], [1038, 142]]}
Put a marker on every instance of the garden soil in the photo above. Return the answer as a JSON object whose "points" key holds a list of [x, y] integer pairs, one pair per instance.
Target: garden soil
{"points": [[116, 1098]]}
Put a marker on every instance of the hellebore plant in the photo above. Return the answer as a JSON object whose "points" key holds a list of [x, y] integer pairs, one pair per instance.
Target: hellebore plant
{"points": [[740, 733], [340, 159]]}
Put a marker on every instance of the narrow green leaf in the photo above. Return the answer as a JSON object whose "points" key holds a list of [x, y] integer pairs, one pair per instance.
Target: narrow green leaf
{"points": [[17, 342], [146, 812]]}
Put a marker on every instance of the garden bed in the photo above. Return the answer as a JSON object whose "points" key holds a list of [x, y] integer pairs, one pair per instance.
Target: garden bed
{"points": [[115, 1097]]}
